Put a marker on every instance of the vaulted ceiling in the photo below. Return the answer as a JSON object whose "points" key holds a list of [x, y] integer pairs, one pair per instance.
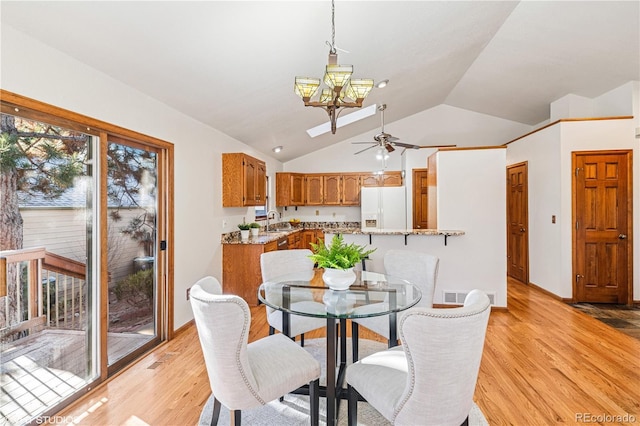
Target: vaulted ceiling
{"points": [[231, 64]]}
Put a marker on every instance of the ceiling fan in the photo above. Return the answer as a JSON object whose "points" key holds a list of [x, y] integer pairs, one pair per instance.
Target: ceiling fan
{"points": [[389, 142]]}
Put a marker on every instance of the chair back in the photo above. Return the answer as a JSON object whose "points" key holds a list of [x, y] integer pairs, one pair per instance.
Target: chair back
{"points": [[223, 328], [210, 285], [294, 262], [418, 268], [443, 348]]}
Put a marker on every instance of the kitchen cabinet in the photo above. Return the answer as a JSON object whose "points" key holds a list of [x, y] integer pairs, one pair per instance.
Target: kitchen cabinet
{"points": [[350, 189], [332, 189], [295, 240], [392, 178], [241, 274], [290, 189], [311, 236], [244, 180], [328, 189], [314, 193]]}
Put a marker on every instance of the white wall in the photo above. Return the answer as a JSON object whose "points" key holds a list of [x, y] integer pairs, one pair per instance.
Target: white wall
{"points": [[33, 69], [476, 259], [548, 153], [541, 151]]}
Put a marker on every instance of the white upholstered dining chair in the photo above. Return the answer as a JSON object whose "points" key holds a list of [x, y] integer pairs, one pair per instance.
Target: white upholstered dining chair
{"points": [[431, 378], [246, 375], [295, 264], [420, 269]]}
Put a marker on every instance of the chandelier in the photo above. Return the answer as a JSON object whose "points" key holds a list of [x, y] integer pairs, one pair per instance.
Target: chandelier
{"points": [[342, 91]]}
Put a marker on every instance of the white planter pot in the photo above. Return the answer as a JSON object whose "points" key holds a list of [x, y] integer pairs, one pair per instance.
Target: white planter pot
{"points": [[244, 234], [255, 232], [338, 279]]}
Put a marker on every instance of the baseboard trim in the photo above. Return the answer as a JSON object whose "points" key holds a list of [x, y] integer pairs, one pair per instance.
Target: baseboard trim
{"points": [[493, 308], [550, 294], [182, 328]]}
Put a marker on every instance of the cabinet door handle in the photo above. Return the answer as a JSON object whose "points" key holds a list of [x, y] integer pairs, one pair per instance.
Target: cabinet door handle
{"points": [[622, 236]]}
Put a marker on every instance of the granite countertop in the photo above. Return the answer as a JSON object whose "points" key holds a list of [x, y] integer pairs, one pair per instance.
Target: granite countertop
{"points": [[329, 228]]}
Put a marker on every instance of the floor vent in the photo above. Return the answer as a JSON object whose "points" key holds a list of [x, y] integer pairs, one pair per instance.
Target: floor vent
{"points": [[457, 298]]}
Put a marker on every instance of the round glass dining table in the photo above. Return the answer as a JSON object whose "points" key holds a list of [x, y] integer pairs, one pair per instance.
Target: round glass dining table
{"points": [[305, 294]]}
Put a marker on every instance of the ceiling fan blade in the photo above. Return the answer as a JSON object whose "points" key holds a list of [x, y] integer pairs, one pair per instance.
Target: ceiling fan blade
{"points": [[363, 150], [365, 142], [437, 146], [392, 138], [406, 145]]}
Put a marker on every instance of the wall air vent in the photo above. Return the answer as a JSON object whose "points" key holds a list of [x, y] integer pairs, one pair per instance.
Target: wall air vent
{"points": [[457, 297]]}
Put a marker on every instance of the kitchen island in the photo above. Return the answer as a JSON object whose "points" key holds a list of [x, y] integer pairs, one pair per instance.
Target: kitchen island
{"points": [[241, 273]]}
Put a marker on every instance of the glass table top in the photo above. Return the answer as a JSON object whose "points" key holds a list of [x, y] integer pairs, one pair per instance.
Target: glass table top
{"points": [[372, 294]]}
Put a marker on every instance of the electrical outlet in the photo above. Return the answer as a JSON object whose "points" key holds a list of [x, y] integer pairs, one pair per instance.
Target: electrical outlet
{"points": [[188, 292], [224, 223], [317, 212]]}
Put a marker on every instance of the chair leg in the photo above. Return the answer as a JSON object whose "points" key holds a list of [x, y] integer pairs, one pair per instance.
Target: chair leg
{"points": [[216, 412], [354, 341], [236, 417], [302, 340], [271, 330], [352, 409], [466, 422], [314, 402]]}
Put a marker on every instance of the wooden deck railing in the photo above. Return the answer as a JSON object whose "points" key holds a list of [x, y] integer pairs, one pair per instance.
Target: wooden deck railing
{"points": [[39, 284]]}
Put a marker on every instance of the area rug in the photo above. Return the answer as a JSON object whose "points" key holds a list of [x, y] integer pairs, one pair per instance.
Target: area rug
{"points": [[621, 317], [294, 410]]}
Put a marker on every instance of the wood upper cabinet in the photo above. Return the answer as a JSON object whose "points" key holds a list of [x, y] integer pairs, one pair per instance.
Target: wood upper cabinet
{"points": [[314, 189], [329, 189], [332, 189], [351, 189], [393, 178], [290, 189], [244, 180]]}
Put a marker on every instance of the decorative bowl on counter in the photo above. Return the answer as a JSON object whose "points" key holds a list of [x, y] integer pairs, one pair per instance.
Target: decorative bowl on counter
{"points": [[294, 223]]}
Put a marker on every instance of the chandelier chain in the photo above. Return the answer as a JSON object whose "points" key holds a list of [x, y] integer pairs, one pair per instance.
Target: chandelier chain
{"points": [[333, 27]]}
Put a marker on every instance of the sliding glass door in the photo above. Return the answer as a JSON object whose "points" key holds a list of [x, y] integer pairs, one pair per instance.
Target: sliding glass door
{"points": [[47, 253], [132, 243], [84, 220]]}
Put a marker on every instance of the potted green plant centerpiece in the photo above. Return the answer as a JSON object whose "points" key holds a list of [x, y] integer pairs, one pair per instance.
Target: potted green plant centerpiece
{"points": [[338, 260], [255, 228], [244, 230]]}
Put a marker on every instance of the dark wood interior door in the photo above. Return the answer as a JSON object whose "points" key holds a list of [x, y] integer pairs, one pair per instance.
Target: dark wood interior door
{"points": [[602, 239], [420, 199], [518, 223]]}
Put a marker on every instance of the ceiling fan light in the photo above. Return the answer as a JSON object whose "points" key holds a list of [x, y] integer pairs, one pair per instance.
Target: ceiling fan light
{"points": [[306, 87], [359, 88], [337, 75]]}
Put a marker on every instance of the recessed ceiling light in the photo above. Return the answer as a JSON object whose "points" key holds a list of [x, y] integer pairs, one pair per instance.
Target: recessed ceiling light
{"points": [[382, 84], [277, 149], [343, 121]]}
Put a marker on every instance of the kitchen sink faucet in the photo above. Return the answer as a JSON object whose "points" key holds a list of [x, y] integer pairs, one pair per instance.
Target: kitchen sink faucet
{"points": [[275, 212]]}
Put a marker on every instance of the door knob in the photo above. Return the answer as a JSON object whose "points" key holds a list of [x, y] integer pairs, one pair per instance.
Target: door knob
{"points": [[622, 236]]}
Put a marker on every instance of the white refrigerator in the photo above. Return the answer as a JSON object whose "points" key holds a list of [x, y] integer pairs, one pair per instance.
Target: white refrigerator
{"points": [[383, 208]]}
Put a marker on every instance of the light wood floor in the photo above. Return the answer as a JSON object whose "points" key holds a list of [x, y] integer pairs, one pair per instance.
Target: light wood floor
{"points": [[544, 363]]}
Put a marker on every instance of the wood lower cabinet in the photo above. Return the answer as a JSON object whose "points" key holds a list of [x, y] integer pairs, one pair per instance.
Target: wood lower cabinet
{"points": [[295, 240], [311, 236], [241, 273]]}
